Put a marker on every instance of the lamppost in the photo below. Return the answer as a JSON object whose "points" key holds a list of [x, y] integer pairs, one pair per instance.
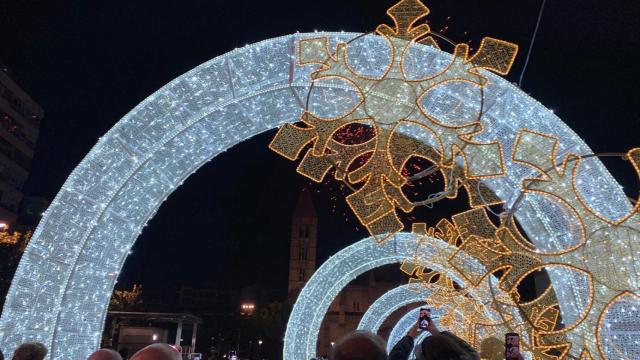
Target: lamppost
{"points": [[246, 309], [260, 349]]}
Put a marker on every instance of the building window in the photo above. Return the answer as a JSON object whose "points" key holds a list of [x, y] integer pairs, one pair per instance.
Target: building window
{"points": [[302, 253], [304, 231], [356, 306], [302, 275]]}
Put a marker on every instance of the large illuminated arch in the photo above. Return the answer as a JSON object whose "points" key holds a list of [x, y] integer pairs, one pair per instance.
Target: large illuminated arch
{"points": [[323, 287], [61, 290]]}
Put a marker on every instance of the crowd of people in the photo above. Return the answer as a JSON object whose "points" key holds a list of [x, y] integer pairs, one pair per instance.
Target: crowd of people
{"points": [[441, 345], [37, 351], [358, 345]]}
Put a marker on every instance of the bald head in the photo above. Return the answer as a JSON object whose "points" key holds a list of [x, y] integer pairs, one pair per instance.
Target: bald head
{"points": [[157, 352], [105, 354], [359, 345]]}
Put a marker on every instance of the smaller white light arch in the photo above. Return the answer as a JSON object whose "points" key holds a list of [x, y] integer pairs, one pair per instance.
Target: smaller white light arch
{"points": [[61, 289], [326, 283], [419, 340], [401, 328], [389, 302]]}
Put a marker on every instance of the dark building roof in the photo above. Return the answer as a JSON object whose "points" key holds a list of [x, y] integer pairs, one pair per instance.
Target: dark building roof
{"points": [[158, 317], [304, 207]]}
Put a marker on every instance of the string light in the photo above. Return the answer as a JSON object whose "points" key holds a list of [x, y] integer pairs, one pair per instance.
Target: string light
{"points": [[326, 283], [61, 290]]}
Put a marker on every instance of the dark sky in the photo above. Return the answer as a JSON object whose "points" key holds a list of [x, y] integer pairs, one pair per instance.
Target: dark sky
{"points": [[89, 62]]}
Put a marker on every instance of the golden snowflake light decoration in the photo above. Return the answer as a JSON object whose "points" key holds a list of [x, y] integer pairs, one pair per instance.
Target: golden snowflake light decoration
{"points": [[601, 261], [387, 103]]}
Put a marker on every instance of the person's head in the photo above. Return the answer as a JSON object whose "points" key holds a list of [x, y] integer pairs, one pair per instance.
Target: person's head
{"points": [[424, 312], [30, 351], [359, 345], [105, 354], [157, 352], [438, 347], [492, 348]]}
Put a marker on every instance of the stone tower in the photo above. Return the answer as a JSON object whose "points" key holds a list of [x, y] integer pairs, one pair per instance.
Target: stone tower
{"points": [[304, 237]]}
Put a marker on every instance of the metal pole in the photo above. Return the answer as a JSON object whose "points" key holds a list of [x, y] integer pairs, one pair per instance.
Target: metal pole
{"points": [[178, 333], [193, 337]]}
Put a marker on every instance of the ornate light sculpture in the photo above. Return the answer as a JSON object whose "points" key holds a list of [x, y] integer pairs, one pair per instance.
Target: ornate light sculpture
{"points": [[62, 287], [389, 302], [574, 233], [326, 283]]}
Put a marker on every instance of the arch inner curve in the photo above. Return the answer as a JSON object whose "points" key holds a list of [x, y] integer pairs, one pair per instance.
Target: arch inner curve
{"points": [[62, 286], [326, 283]]}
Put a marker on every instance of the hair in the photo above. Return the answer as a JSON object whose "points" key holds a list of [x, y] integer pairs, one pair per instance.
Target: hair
{"points": [[157, 351], [438, 347], [492, 348], [359, 345], [105, 354], [30, 351], [1, 355]]}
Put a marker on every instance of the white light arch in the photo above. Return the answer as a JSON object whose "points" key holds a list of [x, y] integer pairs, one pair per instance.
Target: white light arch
{"points": [[61, 290], [323, 287], [408, 320], [407, 294], [402, 327], [389, 302]]}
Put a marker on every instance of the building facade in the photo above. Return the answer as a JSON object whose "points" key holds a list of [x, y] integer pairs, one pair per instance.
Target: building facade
{"points": [[347, 309], [20, 118], [304, 239]]}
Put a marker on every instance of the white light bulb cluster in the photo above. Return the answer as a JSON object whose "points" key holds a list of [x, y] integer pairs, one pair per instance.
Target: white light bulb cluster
{"points": [[61, 290], [389, 302], [335, 274], [402, 327]]}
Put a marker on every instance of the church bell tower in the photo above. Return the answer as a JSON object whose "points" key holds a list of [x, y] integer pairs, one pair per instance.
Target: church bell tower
{"points": [[304, 236]]}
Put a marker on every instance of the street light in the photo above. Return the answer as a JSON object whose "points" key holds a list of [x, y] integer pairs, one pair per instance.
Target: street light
{"points": [[247, 309], [259, 342]]}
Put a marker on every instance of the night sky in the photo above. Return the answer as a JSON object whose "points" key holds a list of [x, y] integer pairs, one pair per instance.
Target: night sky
{"points": [[89, 62]]}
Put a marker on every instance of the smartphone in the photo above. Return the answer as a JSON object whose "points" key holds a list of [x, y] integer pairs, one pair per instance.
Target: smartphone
{"points": [[511, 345], [424, 319]]}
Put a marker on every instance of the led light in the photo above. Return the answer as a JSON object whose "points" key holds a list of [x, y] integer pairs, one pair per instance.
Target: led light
{"points": [[61, 290]]}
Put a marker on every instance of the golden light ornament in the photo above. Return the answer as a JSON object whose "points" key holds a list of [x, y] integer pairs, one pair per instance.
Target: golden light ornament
{"points": [[386, 103], [394, 99]]}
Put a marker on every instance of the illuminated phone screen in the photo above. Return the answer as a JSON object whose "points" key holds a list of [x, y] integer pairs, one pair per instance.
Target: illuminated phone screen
{"points": [[511, 345], [424, 319]]}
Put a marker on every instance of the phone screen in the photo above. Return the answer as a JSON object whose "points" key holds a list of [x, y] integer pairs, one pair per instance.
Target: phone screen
{"points": [[424, 319], [511, 345]]}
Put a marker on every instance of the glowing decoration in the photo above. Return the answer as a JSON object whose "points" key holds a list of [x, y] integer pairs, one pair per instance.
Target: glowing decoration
{"points": [[477, 322], [326, 283], [466, 318], [402, 327], [419, 339], [61, 290], [389, 302], [603, 264], [389, 100], [590, 247]]}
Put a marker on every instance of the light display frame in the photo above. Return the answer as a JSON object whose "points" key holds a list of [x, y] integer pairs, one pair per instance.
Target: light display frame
{"points": [[323, 287], [61, 290], [392, 300]]}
